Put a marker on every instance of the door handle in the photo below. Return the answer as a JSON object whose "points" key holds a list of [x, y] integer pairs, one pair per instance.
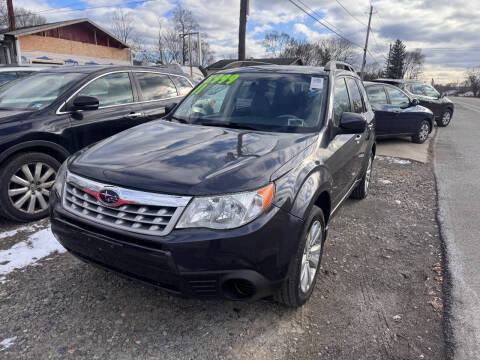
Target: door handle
{"points": [[134, 115]]}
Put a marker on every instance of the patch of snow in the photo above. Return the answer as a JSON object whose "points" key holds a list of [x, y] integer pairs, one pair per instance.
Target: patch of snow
{"points": [[14, 232], [398, 202], [386, 182], [6, 343], [28, 252], [394, 160]]}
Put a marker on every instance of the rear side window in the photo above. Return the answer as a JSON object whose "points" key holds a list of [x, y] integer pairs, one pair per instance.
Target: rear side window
{"points": [[377, 95], [397, 97], [355, 96], [112, 89], [156, 86], [341, 101], [182, 84]]}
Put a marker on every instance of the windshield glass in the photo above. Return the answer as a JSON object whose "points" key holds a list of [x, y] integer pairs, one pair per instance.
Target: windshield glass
{"points": [[259, 101], [37, 91]]}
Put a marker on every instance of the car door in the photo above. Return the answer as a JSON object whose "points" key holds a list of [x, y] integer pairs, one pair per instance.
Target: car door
{"points": [[404, 121], [118, 109], [156, 92], [426, 97], [343, 147], [384, 117]]}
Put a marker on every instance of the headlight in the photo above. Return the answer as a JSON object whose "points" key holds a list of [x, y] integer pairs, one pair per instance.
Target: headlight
{"points": [[60, 179], [226, 211]]}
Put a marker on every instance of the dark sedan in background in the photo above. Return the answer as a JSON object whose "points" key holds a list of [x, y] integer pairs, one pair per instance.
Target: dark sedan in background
{"points": [[49, 115], [397, 114], [441, 106]]}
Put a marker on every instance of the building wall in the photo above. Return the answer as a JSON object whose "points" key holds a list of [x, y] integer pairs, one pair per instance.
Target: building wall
{"points": [[35, 43]]}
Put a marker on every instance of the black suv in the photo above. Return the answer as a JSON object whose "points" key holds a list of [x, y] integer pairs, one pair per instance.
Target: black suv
{"points": [[231, 194], [49, 115], [441, 106]]}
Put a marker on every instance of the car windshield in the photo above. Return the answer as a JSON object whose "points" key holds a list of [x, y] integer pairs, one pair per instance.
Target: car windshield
{"points": [[258, 101], [37, 91]]}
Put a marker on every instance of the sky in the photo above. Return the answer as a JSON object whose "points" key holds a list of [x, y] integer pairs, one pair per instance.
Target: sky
{"points": [[447, 31]]}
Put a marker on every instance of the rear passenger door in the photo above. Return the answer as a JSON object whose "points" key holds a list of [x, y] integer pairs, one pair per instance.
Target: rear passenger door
{"points": [[404, 122], [383, 117], [118, 109], [156, 91]]}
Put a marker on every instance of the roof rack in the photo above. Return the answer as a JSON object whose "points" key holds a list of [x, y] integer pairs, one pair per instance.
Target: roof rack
{"points": [[334, 65]]}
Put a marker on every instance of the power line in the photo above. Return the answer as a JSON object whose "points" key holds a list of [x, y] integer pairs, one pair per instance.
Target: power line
{"points": [[349, 13]]}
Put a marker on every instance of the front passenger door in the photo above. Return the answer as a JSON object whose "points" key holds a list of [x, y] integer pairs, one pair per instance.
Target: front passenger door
{"points": [[117, 110]]}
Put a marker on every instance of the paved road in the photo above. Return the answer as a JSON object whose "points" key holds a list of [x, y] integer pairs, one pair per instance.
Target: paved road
{"points": [[457, 169]]}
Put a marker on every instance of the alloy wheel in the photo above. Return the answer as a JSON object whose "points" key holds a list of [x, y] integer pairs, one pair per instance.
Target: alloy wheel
{"points": [[29, 187], [446, 118], [311, 256], [423, 133]]}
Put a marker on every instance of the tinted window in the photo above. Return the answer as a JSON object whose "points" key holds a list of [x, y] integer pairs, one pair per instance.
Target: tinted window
{"points": [[341, 101], [7, 76], [264, 101], [430, 91], [112, 89], [183, 85], [376, 95], [397, 97], [156, 86], [355, 96]]}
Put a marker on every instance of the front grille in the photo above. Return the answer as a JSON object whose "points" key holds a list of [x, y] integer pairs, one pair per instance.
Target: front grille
{"points": [[145, 213]]}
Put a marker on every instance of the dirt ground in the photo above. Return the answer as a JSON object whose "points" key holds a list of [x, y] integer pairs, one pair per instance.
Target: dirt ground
{"points": [[379, 296]]}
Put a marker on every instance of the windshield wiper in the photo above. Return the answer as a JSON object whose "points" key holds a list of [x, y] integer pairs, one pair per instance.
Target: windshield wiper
{"points": [[180, 120], [230, 125]]}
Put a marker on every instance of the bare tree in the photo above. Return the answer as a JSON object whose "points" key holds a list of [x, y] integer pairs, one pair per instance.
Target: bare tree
{"points": [[275, 43], [473, 80], [373, 71], [413, 65], [122, 25], [23, 17], [184, 23]]}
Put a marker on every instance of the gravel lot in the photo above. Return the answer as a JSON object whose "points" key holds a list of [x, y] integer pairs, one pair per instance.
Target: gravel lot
{"points": [[378, 296]]}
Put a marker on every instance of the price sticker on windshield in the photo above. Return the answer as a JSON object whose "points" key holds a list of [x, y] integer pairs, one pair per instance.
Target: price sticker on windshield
{"points": [[316, 83], [220, 79]]}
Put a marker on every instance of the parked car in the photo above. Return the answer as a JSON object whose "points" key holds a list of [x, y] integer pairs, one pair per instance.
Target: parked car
{"points": [[441, 106], [231, 194], [9, 73], [397, 114], [49, 115]]}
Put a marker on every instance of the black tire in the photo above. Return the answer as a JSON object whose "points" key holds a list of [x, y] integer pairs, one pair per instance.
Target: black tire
{"points": [[11, 168], [445, 119], [361, 190], [290, 293], [422, 134]]}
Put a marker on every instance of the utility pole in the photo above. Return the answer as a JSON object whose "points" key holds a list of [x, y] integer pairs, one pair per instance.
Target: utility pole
{"points": [[366, 43], [242, 29], [11, 16], [199, 39]]}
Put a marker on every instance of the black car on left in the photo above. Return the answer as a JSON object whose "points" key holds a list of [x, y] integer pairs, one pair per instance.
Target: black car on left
{"points": [[51, 114], [397, 114]]}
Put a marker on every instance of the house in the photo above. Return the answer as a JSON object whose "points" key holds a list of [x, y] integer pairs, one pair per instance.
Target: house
{"points": [[73, 42], [232, 63]]}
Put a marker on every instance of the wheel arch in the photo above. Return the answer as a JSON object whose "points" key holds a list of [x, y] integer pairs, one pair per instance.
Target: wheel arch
{"points": [[46, 147]]}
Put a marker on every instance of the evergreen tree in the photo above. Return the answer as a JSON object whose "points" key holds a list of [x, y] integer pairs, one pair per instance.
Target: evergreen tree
{"points": [[396, 61]]}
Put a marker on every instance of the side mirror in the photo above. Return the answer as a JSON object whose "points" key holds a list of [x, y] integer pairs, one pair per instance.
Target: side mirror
{"points": [[352, 123], [170, 107], [414, 102], [85, 103]]}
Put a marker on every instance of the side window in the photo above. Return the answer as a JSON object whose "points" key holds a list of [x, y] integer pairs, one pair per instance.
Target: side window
{"points": [[416, 89], [156, 86], [355, 96], [182, 84], [112, 89], [430, 91], [341, 101], [363, 94], [377, 95], [397, 97]]}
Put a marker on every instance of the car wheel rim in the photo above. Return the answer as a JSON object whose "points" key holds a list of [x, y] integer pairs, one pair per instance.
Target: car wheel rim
{"points": [[29, 187], [446, 118], [311, 256], [368, 175], [424, 132]]}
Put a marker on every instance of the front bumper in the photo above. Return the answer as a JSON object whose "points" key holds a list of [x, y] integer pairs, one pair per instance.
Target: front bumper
{"points": [[245, 263]]}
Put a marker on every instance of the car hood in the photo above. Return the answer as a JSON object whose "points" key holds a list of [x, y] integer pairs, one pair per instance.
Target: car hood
{"points": [[188, 159]]}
